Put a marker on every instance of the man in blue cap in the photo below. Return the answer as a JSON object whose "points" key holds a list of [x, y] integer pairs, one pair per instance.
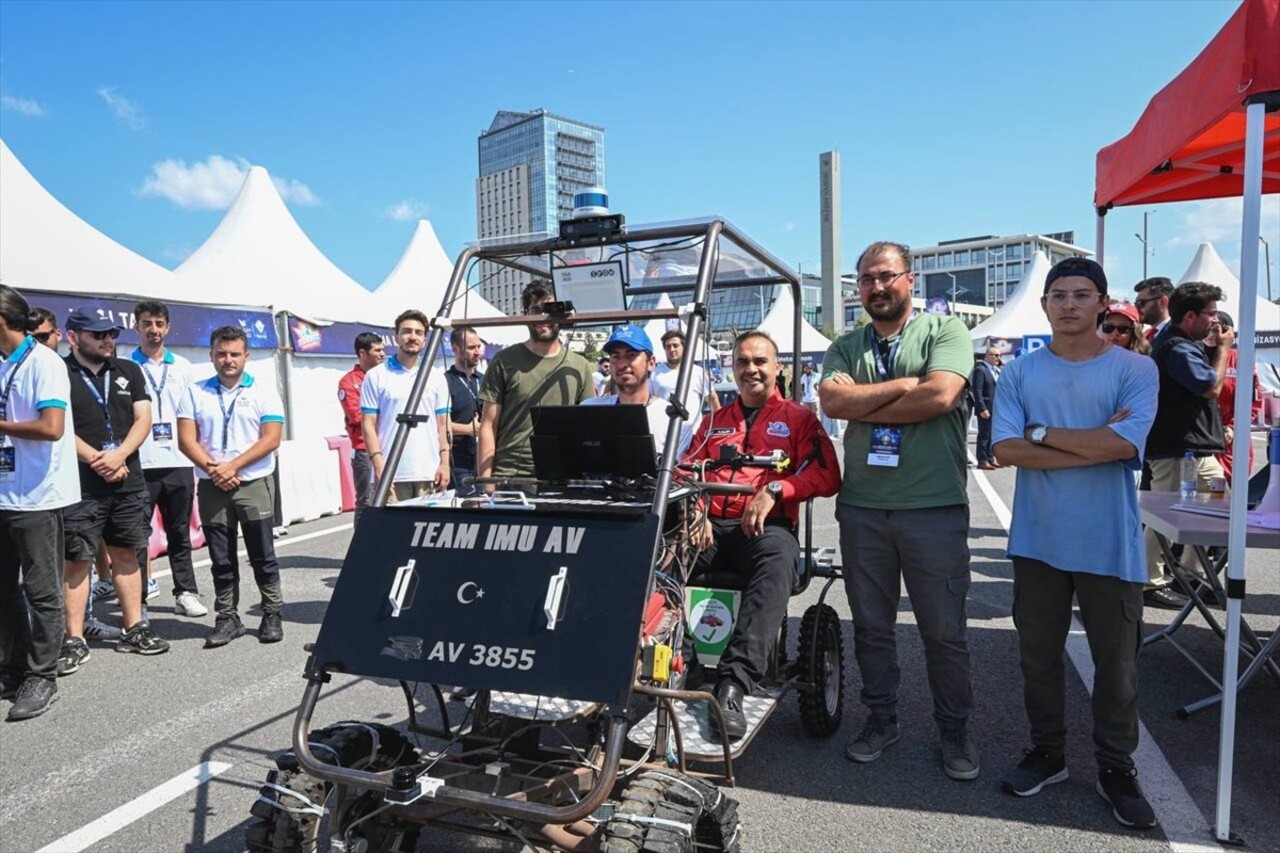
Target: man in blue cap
{"points": [[631, 364]]}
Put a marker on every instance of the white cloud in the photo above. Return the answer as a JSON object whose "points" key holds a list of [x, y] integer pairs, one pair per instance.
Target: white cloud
{"points": [[213, 184], [26, 106], [403, 211], [1217, 221], [127, 112], [1112, 264], [788, 227]]}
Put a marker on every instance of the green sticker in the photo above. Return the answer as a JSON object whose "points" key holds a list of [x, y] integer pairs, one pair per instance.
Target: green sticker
{"points": [[711, 614]]}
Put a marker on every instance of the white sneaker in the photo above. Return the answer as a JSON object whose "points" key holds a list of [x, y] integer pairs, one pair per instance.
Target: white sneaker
{"points": [[153, 588], [188, 604]]}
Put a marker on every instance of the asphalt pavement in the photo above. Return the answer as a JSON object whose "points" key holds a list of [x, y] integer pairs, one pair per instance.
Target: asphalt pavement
{"points": [[168, 753]]}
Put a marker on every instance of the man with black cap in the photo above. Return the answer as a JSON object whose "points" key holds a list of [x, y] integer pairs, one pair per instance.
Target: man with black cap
{"points": [[1073, 417], [112, 413], [1227, 397]]}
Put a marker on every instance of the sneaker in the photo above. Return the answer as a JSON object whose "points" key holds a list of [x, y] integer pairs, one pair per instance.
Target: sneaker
{"points": [[270, 631], [35, 696], [96, 629], [1119, 787], [102, 589], [1039, 767], [140, 640], [188, 604], [75, 652], [959, 755], [153, 588], [226, 629], [1163, 598], [877, 734]]}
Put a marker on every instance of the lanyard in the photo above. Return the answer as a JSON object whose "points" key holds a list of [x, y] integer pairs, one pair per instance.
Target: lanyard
{"points": [[159, 389], [106, 409], [228, 410], [8, 386], [884, 365]]}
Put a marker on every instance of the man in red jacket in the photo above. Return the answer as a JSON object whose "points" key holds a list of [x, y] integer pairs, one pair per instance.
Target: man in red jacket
{"points": [[755, 536], [370, 352]]}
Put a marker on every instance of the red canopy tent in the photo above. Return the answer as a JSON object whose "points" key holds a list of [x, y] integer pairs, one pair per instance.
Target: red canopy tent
{"points": [[1214, 131]]}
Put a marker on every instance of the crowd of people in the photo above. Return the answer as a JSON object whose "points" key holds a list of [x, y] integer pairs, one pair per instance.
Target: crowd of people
{"points": [[91, 444]]}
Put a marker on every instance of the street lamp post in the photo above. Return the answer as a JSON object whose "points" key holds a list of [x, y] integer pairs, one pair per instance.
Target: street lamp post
{"points": [[955, 292], [1267, 249], [1142, 238], [998, 254]]}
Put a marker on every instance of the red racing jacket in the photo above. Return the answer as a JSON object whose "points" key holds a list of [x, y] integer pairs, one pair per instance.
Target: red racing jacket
{"points": [[780, 424]]}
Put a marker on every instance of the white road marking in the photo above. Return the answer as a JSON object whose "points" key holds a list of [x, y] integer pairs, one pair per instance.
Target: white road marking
{"points": [[137, 808], [1183, 823], [293, 540]]}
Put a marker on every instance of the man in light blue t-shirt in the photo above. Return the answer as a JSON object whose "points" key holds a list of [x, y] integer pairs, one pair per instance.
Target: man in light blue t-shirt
{"points": [[1073, 418]]}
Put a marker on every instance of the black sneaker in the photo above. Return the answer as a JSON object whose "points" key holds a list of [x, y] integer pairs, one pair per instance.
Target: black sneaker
{"points": [[141, 641], [1039, 767], [225, 629], [1119, 787], [75, 652], [270, 631], [877, 733], [959, 755], [729, 697], [1163, 598], [35, 696]]}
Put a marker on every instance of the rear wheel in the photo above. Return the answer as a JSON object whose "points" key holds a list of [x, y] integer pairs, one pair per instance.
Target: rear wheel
{"points": [[291, 805], [667, 812], [822, 666]]}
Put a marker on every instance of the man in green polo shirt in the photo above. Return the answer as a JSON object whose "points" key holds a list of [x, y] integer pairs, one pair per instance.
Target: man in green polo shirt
{"points": [[903, 509]]}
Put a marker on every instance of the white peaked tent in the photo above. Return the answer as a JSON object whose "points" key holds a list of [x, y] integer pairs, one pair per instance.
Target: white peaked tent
{"points": [[420, 279], [1022, 314], [258, 255], [656, 328], [44, 246], [1207, 266], [779, 323]]}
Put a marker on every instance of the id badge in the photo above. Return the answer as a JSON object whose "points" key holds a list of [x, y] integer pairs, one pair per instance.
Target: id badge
{"points": [[8, 464], [110, 445], [162, 433], [886, 446]]}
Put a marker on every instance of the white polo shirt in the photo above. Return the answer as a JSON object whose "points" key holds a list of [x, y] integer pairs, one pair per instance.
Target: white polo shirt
{"points": [[656, 411], [46, 475], [167, 381], [386, 394], [663, 383], [230, 422]]}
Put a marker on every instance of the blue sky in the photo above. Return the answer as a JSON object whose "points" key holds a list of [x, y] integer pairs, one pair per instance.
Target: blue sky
{"points": [[952, 119]]}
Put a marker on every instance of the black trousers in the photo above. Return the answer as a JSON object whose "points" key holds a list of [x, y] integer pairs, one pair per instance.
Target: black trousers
{"points": [[765, 567], [362, 475], [173, 490], [983, 450], [247, 509], [31, 543]]}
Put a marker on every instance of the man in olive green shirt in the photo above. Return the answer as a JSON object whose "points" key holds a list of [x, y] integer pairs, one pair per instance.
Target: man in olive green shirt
{"points": [[540, 371], [903, 509]]}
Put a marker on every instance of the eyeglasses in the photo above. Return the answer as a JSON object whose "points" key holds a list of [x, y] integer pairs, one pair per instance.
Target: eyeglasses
{"points": [[1138, 303], [109, 333], [1109, 329], [883, 279], [43, 337], [1076, 297]]}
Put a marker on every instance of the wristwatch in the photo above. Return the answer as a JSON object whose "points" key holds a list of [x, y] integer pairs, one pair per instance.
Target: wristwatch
{"points": [[775, 489], [1038, 433]]}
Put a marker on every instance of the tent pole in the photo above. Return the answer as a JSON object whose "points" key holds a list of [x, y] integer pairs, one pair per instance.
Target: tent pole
{"points": [[1100, 238], [1255, 116], [284, 371]]}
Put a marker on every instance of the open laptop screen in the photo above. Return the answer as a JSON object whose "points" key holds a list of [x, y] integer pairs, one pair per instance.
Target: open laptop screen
{"points": [[592, 442]]}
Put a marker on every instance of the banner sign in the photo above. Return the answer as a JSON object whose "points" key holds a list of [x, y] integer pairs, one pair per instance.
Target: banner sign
{"points": [[191, 324], [310, 338], [1031, 343]]}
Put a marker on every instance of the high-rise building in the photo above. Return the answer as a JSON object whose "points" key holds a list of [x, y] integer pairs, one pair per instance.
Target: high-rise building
{"points": [[531, 164], [986, 270]]}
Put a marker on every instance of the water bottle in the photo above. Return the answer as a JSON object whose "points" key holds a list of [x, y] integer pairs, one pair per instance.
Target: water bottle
{"points": [[1187, 470]]}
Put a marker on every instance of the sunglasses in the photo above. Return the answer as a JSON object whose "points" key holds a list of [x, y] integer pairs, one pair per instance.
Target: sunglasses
{"points": [[43, 337], [1109, 329], [97, 336]]}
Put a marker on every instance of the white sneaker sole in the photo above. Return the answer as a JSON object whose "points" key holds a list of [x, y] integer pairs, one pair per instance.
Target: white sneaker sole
{"points": [[1061, 776]]}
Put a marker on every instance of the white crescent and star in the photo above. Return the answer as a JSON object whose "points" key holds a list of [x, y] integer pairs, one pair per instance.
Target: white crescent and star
{"points": [[475, 594]]}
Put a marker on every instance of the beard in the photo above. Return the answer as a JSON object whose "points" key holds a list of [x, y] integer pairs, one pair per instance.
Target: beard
{"points": [[89, 352], [545, 335], [888, 309]]}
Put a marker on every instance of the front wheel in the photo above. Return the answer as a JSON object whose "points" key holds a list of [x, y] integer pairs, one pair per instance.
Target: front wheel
{"points": [[667, 812], [821, 664]]}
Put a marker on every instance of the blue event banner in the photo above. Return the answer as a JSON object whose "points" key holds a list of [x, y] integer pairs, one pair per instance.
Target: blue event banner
{"points": [[191, 324], [310, 338]]}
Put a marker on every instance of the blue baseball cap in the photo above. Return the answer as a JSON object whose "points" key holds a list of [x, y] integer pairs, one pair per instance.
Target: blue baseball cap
{"points": [[80, 320], [631, 336]]}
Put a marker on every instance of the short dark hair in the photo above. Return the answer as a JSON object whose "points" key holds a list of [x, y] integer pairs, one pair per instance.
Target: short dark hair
{"points": [[757, 333], [537, 289], [1192, 296], [458, 337], [412, 314], [154, 307], [38, 316], [14, 309], [1157, 284], [227, 334], [881, 246], [366, 340], [673, 333]]}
